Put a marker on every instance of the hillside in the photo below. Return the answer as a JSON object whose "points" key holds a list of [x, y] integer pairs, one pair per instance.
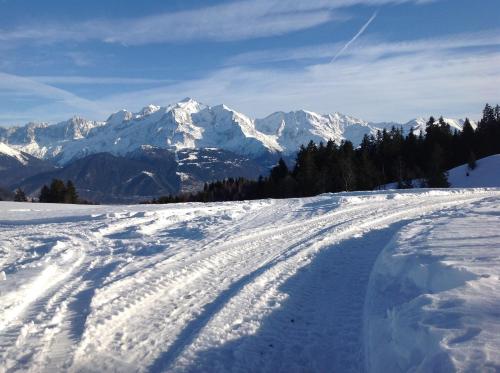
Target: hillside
{"points": [[383, 281], [486, 174]]}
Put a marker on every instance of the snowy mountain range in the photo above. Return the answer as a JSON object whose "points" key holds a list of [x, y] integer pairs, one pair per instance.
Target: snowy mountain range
{"points": [[189, 124], [196, 143]]}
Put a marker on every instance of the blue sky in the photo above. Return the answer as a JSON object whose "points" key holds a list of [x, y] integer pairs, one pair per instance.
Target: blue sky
{"points": [[379, 60]]}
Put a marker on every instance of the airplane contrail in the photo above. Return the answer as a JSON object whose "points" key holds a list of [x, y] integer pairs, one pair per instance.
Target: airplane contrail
{"points": [[360, 32]]}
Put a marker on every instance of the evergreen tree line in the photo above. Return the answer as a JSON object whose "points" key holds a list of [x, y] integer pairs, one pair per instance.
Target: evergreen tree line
{"points": [[58, 192], [389, 157]]}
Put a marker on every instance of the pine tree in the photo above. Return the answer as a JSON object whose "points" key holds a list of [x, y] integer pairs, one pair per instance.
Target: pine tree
{"points": [[305, 170], [488, 114], [468, 133], [280, 171], [436, 175], [471, 162], [347, 166], [44, 195], [70, 195], [467, 143], [57, 191], [20, 196]]}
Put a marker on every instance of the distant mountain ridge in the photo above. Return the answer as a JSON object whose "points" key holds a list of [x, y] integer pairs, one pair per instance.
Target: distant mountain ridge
{"points": [[166, 150], [189, 125], [104, 177]]}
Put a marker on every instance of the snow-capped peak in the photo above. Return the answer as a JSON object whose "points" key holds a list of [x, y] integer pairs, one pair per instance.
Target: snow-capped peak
{"points": [[293, 129], [189, 124], [190, 105], [419, 125], [119, 117], [148, 110], [13, 153]]}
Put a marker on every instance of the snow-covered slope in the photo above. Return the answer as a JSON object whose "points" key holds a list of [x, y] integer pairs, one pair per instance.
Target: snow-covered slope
{"points": [[291, 130], [267, 286], [191, 125], [486, 174], [7, 151], [296, 128], [16, 165]]}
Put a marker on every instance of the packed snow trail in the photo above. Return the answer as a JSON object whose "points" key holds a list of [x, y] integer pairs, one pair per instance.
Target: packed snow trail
{"points": [[274, 285]]}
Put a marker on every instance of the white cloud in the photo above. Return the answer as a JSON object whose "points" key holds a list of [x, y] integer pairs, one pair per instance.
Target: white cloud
{"points": [[396, 87], [229, 21], [371, 47], [58, 102], [90, 80], [80, 59], [377, 80]]}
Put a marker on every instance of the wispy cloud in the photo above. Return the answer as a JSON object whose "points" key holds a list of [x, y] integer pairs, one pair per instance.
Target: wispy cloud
{"points": [[226, 22], [414, 78], [96, 80], [355, 37], [80, 59], [373, 48], [397, 87], [56, 101]]}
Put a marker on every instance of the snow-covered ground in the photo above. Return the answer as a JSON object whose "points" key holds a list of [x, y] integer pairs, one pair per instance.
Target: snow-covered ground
{"points": [[383, 281], [486, 174]]}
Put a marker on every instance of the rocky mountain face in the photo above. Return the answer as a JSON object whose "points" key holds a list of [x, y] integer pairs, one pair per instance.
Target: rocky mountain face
{"points": [[104, 177], [195, 167], [162, 150]]}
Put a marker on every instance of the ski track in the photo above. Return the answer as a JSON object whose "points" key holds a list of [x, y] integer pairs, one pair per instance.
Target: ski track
{"points": [[216, 287]]}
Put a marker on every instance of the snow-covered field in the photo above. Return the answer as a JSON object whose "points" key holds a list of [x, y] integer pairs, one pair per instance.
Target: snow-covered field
{"points": [[381, 281]]}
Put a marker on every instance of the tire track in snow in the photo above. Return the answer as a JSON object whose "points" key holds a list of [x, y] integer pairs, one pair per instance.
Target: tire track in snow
{"points": [[43, 321], [165, 300], [27, 321], [182, 293], [225, 258], [32, 321], [267, 280]]}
